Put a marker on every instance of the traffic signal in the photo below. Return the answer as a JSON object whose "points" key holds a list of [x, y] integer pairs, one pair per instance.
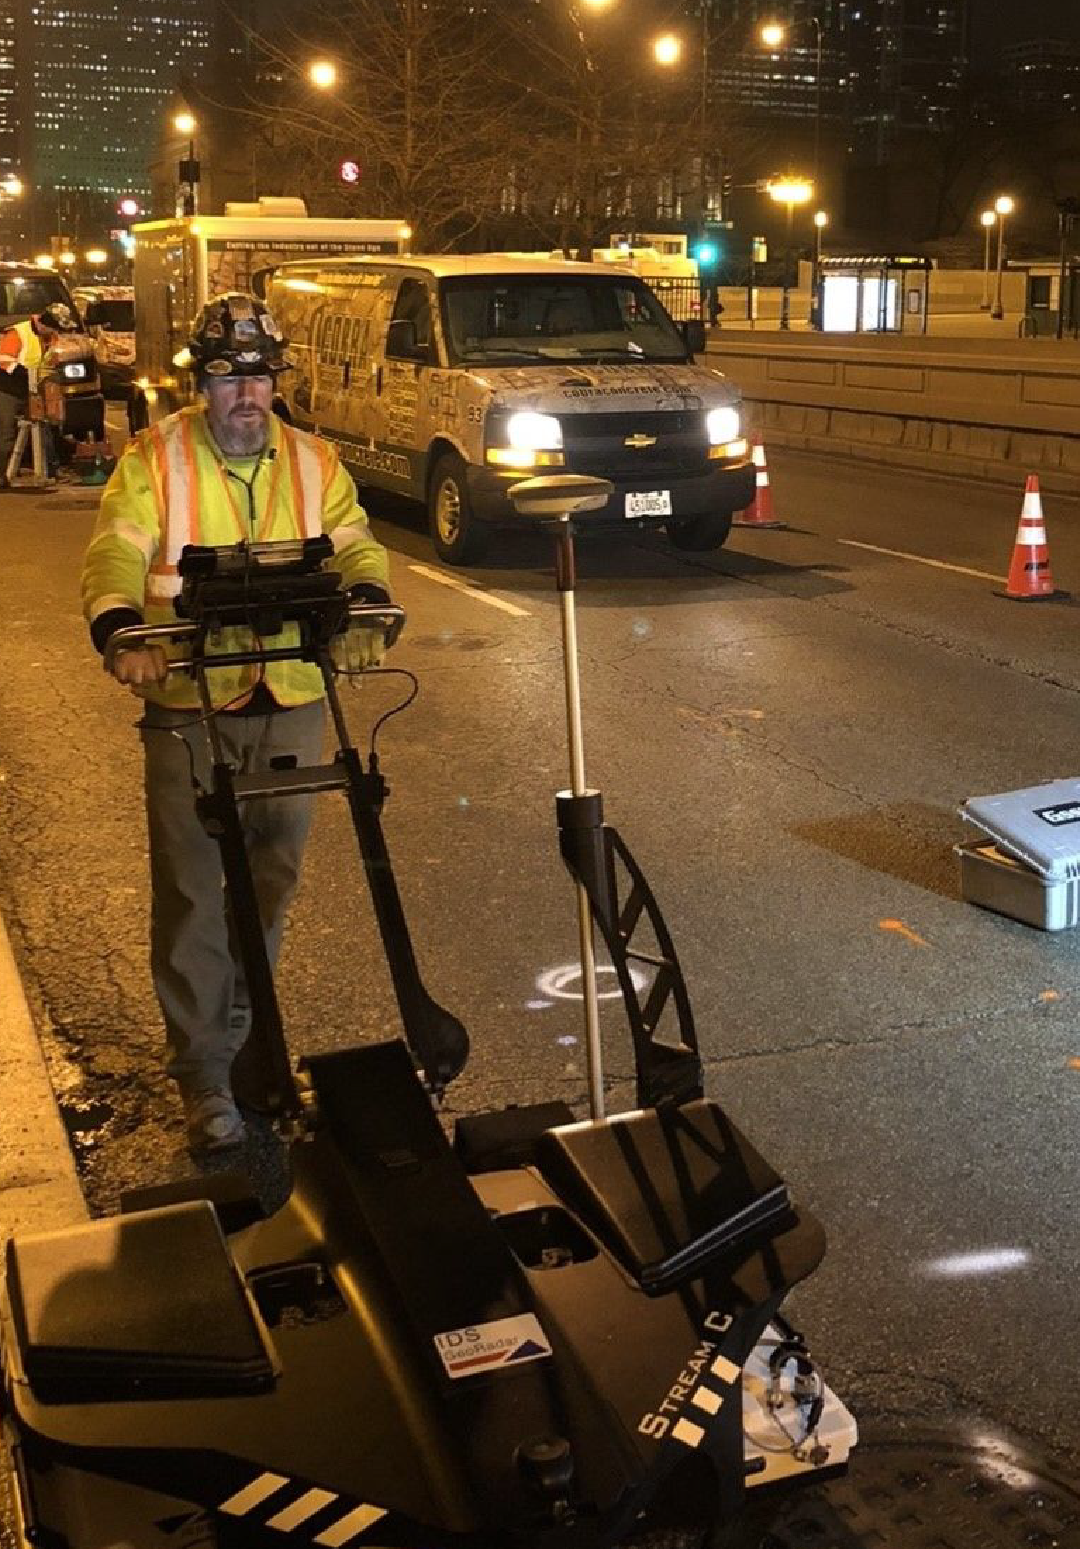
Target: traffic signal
{"points": [[706, 254]]}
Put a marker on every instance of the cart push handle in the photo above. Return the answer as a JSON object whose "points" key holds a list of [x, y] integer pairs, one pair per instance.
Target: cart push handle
{"points": [[388, 617]]}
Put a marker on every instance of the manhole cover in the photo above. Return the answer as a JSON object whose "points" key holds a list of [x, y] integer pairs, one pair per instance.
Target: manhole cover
{"points": [[931, 1494]]}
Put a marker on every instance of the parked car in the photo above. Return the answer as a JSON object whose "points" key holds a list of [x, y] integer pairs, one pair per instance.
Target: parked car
{"points": [[108, 314], [26, 289]]}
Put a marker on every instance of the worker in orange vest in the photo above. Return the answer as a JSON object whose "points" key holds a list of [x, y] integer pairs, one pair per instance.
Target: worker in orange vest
{"points": [[21, 350]]}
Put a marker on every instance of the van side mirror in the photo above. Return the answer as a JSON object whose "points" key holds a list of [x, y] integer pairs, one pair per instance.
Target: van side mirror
{"points": [[401, 341], [693, 331]]}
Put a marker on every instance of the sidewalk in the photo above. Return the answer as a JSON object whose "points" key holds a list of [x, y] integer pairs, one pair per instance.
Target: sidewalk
{"points": [[39, 1187]]}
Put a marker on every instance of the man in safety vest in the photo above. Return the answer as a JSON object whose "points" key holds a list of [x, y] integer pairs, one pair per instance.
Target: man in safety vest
{"points": [[21, 350], [225, 470]]}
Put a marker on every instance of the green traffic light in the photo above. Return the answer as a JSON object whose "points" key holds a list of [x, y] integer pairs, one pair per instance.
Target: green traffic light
{"points": [[706, 253]]}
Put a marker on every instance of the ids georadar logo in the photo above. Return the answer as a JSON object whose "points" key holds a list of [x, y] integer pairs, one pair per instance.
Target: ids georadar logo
{"points": [[483, 1347]]}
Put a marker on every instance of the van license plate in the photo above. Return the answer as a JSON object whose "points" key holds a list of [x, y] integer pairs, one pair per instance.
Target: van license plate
{"points": [[649, 502]]}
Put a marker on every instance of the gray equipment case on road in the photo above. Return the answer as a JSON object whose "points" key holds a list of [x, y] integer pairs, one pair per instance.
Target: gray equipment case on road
{"points": [[1031, 868]]}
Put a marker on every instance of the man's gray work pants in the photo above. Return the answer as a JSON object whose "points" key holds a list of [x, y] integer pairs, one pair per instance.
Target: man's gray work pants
{"points": [[193, 959]]}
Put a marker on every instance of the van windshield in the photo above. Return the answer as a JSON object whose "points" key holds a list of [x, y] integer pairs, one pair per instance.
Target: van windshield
{"points": [[503, 320]]}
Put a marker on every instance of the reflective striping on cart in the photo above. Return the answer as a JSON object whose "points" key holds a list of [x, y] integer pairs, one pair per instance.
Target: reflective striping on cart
{"points": [[726, 1370], [253, 1494], [706, 1399], [355, 1521], [300, 1510], [687, 1432]]}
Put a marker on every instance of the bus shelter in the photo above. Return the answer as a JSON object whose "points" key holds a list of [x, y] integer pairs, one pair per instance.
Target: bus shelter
{"points": [[874, 293]]}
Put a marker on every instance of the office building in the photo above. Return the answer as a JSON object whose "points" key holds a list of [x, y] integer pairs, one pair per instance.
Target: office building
{"points": [[1041, 78], [94, 77]]}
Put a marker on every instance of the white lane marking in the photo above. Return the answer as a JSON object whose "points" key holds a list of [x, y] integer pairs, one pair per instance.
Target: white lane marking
{"points": [[354, 1522], [920, 559], [253, 1495], [308, 1504], [441, 577]]}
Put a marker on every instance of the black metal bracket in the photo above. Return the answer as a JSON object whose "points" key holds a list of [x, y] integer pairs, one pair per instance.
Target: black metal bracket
{"points": [[621, 900]]}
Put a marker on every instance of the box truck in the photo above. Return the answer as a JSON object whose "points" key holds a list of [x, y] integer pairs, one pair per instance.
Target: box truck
{"points": [[180, 263]]}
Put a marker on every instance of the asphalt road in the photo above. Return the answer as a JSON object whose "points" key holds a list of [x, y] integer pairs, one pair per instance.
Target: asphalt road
{"points": [[783, 731]]}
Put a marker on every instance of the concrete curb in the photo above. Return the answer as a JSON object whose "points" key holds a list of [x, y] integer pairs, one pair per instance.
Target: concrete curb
{"points": [[39, 1186]]}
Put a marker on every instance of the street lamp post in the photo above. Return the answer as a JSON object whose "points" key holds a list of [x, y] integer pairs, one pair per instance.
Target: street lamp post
{"points": [[821, 220], [987, 220], [185, 124], [1003, 206], [789, 191], [772, 35]]}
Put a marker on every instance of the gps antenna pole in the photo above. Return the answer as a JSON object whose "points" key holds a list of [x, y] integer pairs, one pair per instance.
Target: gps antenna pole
{"points": [[564, 582]]}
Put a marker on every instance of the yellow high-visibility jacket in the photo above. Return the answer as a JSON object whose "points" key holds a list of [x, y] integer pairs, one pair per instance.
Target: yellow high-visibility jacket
{"points": [[170, 487]]}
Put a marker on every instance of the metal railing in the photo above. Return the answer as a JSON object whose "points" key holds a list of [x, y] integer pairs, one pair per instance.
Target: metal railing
{"points": [[681, 295]]}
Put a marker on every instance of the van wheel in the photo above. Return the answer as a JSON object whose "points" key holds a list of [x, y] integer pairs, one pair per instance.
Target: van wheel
{"points": [[700, 533], [457, 535]]}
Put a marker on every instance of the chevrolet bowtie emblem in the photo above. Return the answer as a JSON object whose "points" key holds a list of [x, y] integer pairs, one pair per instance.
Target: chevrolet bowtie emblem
{"points": [[639, 439]]}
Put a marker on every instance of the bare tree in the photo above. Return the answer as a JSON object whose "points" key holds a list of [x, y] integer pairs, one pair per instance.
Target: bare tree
{"points": [[415, 105]]}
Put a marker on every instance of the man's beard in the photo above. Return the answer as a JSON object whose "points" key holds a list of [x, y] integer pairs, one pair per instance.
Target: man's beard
{"points": [[240, 436]]}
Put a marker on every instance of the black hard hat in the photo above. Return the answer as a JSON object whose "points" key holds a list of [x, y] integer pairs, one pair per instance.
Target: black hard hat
{"points": [[59, 318], [235, 335]]}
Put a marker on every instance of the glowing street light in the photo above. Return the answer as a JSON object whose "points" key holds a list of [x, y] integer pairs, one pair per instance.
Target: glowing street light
{"points": [[185, 123], [129, 207], [12, 186], [97, 257], [322, 73], [1003, 206], [790, 191], [772, 34], [667, 49]]}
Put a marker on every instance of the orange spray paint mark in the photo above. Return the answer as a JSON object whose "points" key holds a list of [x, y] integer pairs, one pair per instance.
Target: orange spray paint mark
{"points": [[903, 930]]}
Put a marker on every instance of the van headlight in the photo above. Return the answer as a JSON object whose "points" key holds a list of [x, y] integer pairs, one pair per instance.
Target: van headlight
{"points": [[722, 425], [529, 440]]}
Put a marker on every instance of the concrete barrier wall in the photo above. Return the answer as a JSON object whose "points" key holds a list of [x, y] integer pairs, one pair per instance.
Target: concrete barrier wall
{"points": [[988, 408]]}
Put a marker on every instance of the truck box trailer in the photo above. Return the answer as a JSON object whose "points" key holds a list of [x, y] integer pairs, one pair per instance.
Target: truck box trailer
{"points": [[181, 263]]}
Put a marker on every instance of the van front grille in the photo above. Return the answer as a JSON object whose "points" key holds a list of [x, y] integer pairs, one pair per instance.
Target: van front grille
{"points": [[597, 443]]}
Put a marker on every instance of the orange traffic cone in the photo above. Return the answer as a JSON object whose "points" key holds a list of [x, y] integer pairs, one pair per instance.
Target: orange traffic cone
{"points": [[1029, 573], [759, 513]]}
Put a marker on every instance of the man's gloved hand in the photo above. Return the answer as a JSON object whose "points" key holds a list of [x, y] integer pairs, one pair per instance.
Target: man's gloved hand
{"points": [[358, 648]]}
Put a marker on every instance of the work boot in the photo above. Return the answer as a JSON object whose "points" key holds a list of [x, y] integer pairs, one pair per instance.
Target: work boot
{"points": [[213, 1120]]}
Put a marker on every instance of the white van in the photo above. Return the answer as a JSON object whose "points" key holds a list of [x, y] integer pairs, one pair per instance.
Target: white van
{"points": [[447, 379]]}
